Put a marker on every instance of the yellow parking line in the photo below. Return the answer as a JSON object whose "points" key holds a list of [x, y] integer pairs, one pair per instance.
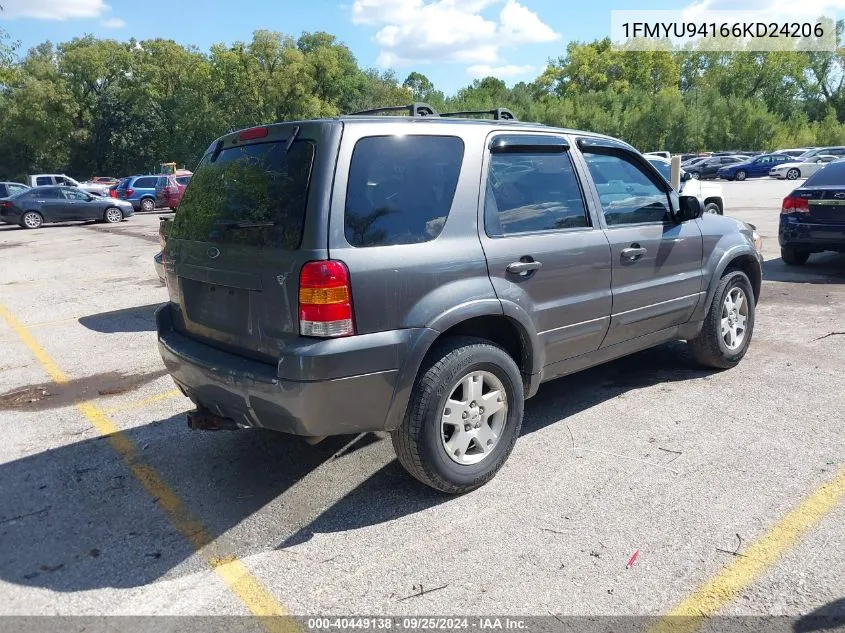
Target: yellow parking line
{"points": [[722, 588], [140, 404], [57, 375], [231, 570]]}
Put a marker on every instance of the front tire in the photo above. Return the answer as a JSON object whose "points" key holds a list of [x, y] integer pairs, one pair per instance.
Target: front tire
{"points": [[32, 220], [793, 174], [740, 175], [464, 415], [729, 324], [148, 204], [696, 175], [794, 256], [113, 215]]}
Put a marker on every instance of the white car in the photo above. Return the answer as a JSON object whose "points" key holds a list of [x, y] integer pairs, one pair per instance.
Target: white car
{"points": [[710, 193], [38, 180], [801, 169]]}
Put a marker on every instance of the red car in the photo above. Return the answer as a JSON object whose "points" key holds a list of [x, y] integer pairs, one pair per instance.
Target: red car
{"points": [[169, 190]]}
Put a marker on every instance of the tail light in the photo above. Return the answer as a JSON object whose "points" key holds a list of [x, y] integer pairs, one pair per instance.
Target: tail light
{"points": [[6, 204], [128, 193], [112, 193], [795, 204], [325, 300]]}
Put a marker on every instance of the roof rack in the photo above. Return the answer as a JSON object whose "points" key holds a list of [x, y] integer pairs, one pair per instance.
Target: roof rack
{"points": [[499, 114], [413, 109]]}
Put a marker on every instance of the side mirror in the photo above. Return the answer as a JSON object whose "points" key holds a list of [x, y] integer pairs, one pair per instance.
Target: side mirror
{"points": [[686, 176], [689, 208]]}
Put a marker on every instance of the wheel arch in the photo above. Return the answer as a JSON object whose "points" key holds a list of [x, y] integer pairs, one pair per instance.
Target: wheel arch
{"points": [[718, 201], [486, 323]]}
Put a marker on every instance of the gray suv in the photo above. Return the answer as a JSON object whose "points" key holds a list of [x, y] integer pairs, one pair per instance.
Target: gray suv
{"points": [[423, 275]]}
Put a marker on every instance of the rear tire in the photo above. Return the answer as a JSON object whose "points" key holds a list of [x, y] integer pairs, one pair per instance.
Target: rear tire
{"points": [[712, 207], [726, 333], [32, 220], [740, 175], [447, 440], [148, 204], [113, 215], [794, 256]]}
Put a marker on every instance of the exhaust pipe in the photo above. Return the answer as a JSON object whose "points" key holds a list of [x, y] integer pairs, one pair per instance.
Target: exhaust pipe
{"points": [[204, 420]]}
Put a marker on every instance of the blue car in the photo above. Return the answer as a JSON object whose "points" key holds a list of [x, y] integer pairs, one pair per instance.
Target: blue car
{"points": [[753, 168], [812, 218], [140, 191]]}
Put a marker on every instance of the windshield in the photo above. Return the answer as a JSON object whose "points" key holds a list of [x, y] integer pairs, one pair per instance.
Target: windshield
{"points": [[255, 195]]}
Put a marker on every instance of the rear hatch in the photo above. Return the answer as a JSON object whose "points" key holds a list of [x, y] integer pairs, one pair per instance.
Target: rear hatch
{"points": [[255, 211]]}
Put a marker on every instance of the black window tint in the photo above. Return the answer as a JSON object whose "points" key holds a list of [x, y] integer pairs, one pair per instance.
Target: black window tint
{"points": [[254, 195], [183, 180], [532, 192], [400, 188], [628, 194], [145, 183], [830, 174], [43, 180], [4, 191]]}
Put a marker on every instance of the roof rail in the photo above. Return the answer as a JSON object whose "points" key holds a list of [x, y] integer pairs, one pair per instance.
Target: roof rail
{"points": [[499, 114], [412, 109]]}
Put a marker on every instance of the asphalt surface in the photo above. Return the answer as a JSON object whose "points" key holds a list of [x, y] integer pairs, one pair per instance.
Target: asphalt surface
{"points": [[648, 453]]}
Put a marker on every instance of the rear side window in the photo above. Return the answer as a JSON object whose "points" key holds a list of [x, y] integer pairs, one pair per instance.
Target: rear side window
{"points": [[145, 183], [183, 180], [254, 195], [830, 174], [532, 192], [43, 180], [400, 188]]}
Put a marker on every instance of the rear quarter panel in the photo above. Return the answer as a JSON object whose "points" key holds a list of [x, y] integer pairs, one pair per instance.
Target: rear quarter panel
{"points": [[433, 284]]}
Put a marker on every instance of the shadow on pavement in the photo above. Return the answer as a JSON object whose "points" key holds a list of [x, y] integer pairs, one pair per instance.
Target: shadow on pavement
{"points": [[73, 518], [136, 319], [828, 617], [391, 493], [821, 268]]}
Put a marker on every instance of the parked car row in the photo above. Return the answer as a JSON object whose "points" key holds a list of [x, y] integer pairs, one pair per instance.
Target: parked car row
{"points": [[33, 207], [146, 193]]}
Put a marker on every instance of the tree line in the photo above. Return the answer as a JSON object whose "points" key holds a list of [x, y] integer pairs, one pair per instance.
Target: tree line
{"points": [[104, 107]]}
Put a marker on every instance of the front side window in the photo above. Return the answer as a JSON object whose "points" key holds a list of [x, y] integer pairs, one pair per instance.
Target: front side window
{"points": [[75, 194], [400, 188], [529, 191], [628, 194], [43, 180]]}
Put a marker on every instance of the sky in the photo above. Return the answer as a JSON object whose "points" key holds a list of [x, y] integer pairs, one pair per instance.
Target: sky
{"points": [[452, 42]]}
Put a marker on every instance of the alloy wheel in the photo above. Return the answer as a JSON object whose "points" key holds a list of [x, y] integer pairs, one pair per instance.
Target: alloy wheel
{"points": [[734, 318], [473, 418]]}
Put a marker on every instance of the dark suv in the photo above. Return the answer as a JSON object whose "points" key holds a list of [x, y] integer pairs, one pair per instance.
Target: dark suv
{"points": [[423, 275]]}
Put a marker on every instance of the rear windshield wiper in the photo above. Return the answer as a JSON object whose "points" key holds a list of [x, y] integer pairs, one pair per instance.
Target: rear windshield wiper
{"points": [[245, 225]]}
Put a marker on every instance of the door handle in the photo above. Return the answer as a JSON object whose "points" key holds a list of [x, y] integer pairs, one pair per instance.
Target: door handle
{"points": [[633, 252], [520, 268]]}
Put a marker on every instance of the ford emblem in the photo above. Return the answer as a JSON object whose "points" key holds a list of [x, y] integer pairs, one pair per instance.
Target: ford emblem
{"points": [[213, 253]]}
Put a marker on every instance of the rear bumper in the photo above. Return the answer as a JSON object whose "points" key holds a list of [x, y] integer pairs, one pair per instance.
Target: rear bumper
{"points": [[807, 236], [310, 399]]}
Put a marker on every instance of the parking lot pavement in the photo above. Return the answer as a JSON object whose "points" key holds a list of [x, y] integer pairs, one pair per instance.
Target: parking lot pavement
{"points": [[692, 468]]}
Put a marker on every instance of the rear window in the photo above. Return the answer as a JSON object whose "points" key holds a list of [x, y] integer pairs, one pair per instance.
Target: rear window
{"points": [[830, 174], [400, 188], [253, 195]]}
